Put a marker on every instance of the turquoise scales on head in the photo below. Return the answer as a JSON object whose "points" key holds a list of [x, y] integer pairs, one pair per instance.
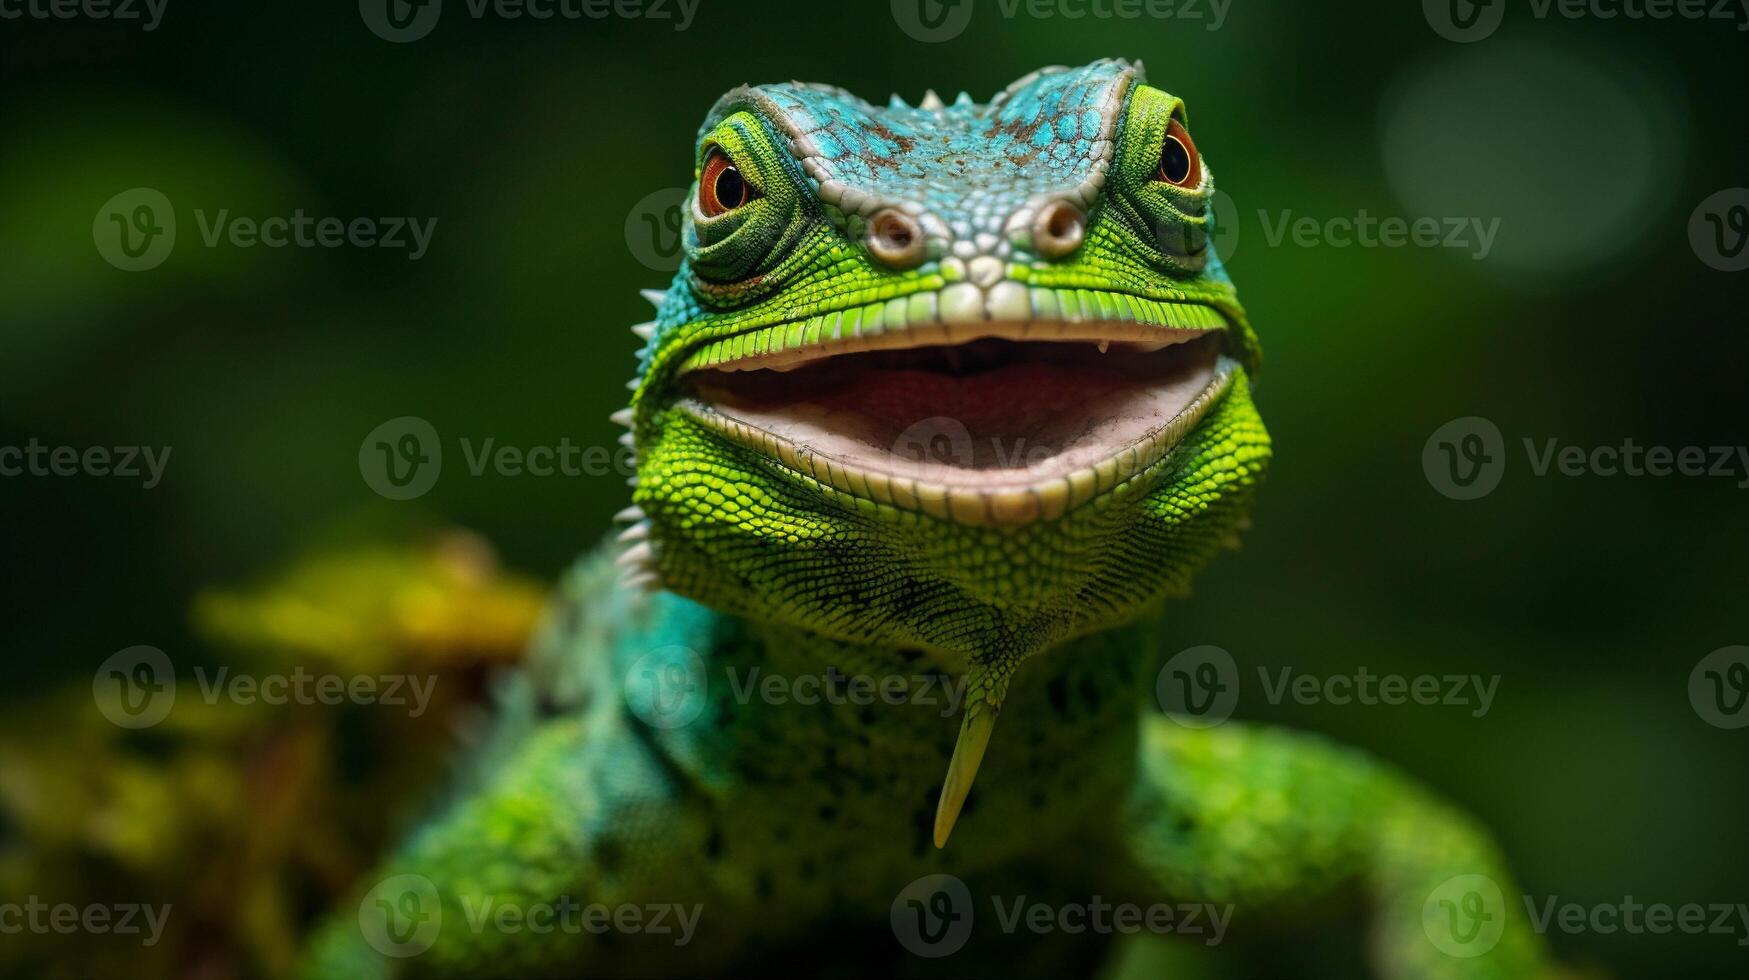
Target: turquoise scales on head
{"points": [[1029, 279]]}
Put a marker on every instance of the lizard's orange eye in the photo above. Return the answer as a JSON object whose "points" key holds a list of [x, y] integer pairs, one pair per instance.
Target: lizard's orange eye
{"points": [[1180, 165], [721, 188]]}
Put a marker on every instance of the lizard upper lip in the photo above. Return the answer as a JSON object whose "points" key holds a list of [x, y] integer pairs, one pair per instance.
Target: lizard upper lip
{"points": [[988, 423]]}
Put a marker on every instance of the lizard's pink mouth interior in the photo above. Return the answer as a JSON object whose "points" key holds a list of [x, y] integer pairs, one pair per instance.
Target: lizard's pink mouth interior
{"points": [[983, 414]]}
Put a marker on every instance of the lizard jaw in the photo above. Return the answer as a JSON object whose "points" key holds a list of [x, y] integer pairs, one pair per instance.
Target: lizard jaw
{"points": [[1008, 424]]}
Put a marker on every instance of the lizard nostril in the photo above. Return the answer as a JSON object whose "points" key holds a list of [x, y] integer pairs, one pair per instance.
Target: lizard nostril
{"points": [[1058, 230], [895, 238]]}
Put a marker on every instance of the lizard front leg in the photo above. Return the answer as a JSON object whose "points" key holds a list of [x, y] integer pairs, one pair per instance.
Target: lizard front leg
{"points": [[1268, 820], [569, 861], [572, 847]]}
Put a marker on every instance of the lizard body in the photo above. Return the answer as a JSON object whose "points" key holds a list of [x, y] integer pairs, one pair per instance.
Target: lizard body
{"points": [[861, 283]]}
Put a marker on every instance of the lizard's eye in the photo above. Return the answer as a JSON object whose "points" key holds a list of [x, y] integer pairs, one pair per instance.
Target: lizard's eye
{"points": [[721, 188], [1180, 165]]}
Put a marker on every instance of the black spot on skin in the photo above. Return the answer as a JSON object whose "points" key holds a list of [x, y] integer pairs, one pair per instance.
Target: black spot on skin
{"points": [[1039, 800], [868, 715], [828, 812], [609, 856], [762, 887], [713, 844], [1058, 691], [1090, 692], [808, 870], [923, 823]]}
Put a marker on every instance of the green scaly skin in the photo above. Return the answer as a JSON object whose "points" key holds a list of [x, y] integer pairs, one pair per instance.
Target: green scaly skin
{"points": [[793, 824]]}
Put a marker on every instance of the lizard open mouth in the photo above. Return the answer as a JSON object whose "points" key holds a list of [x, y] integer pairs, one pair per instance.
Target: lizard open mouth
{"points": [[986, 423]]}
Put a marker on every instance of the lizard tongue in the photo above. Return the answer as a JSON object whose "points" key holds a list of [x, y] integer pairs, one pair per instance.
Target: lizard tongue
{"points": [[968, 752]]}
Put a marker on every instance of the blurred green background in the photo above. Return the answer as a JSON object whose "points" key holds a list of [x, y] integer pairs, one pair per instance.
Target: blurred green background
{"points": [[537, 144]]}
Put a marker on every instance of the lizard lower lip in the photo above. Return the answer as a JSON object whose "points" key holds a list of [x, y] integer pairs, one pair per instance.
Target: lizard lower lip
{"points": [[991, 432]]}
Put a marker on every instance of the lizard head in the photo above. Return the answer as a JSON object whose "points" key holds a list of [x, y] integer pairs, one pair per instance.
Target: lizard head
{"points": [[967, 378]]}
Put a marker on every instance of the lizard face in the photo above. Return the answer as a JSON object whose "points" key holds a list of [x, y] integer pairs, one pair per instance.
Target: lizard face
{"points": [[963, 378]]}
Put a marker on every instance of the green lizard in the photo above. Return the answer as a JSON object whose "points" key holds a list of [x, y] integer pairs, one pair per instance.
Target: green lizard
{"points": [[944, 401]]}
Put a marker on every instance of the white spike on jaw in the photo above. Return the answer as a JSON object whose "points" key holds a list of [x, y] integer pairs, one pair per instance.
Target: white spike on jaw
{"points": [[626, 440], [639, 555], [645, 330], [894, 102], [642, 581], [623, 417], [931, 102], [637, 532], [968, 754], [654, 296], [630, 515]]}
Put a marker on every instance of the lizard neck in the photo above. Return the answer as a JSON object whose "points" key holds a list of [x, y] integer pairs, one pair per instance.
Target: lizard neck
{"points": [[858, 737]]}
